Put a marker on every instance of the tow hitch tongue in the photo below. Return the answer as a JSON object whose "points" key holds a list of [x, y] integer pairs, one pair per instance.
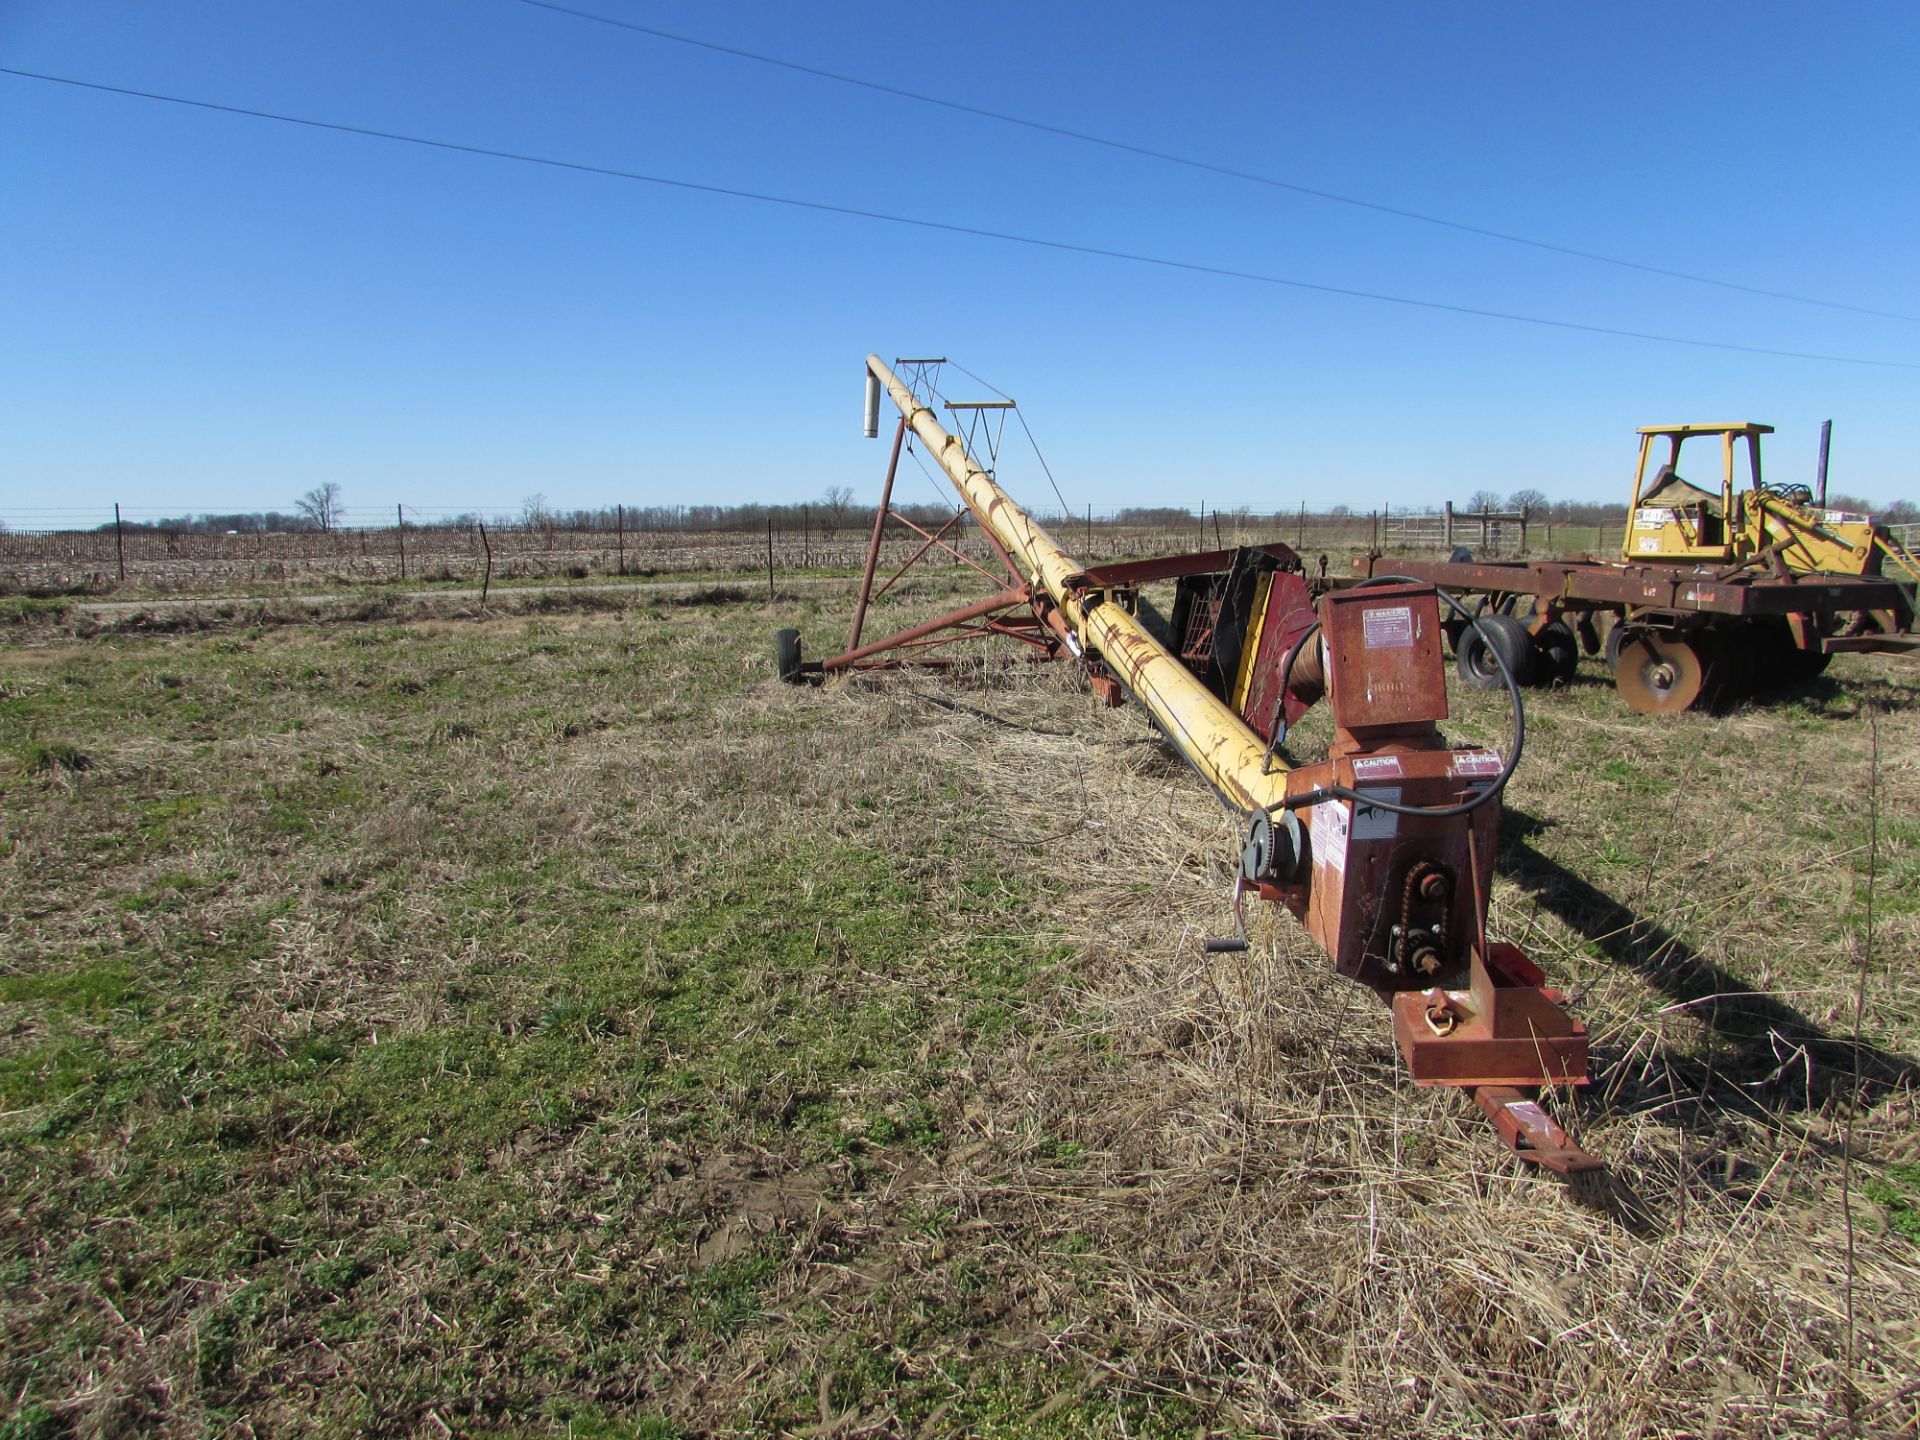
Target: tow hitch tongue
{"points": [[1383, 850]]}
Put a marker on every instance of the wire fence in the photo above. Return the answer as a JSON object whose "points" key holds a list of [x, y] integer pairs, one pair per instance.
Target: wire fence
{"points": [[173, 558]]}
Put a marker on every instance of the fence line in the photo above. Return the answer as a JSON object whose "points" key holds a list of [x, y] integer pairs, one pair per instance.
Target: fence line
{"points": [[111, 556]]}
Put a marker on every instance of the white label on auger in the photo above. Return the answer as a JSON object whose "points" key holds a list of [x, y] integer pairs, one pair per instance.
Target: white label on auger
{"points": [[1652, 519], [1376, 767], [1373, 823], [1477, 762], [1388, 628], [1328, 835]]}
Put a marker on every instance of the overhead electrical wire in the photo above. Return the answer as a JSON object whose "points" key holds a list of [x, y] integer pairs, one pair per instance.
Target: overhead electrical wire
{"points": [[1210, 167], [949, 227]]}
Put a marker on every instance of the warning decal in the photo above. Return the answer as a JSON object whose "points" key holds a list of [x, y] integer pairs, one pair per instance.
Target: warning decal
{"points": [[1328, 836], [1372, 823], [1375, 767], [1390, 627]]}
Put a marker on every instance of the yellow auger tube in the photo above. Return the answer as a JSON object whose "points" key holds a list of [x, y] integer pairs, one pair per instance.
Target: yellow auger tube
{"points": [[1228, 755]]}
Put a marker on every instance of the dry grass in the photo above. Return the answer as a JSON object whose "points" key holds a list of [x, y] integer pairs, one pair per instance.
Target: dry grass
{"points": [[1292, 1236], [523, 1024]]}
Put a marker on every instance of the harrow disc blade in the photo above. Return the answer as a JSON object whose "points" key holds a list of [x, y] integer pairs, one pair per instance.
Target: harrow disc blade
{"points": [[1660, 676]]}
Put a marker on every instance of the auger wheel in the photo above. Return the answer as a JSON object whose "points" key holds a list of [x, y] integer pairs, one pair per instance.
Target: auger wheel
{"points": [[1663, 674]]}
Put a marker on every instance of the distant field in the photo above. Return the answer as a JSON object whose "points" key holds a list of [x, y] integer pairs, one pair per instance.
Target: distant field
{"points": [[91, 562], [421, 1020]]}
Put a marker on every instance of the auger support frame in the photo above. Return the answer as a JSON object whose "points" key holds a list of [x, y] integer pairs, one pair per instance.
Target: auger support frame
{"points": [[1383, 851]]}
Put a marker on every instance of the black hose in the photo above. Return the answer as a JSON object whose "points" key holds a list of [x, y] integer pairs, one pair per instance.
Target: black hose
{"points": [[1345, 792], [1279, 725]]}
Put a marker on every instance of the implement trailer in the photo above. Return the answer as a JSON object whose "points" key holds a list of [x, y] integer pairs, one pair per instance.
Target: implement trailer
{"points": [[1680, 636], [1383, 851], [1717, 592]]}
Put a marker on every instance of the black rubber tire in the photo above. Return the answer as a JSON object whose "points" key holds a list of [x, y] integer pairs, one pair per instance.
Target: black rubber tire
{"points": [[1477, 667], [786, 655], [1588, 633], [1802, 666], [1616, 637], [1782, 662], [1556, 654]]}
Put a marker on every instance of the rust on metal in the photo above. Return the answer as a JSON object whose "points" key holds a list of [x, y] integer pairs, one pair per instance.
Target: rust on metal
{"points": [[1379, 849]]}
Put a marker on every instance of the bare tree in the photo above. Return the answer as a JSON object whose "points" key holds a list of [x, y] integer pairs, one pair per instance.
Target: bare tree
{"points": [[838, 501], [1528, 502], [1484, 500], [321, 505], [536, 514]]}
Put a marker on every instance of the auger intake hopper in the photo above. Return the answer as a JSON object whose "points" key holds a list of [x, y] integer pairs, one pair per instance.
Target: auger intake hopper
{"points": [[1383, 850]]}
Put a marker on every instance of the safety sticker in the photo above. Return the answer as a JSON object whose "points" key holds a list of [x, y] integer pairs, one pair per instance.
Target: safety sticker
{"points": [[1377, 767], [1653, 519], [1370, 822], [1478, 763], [1328, 836], [1648, 545], [1390, 627]]}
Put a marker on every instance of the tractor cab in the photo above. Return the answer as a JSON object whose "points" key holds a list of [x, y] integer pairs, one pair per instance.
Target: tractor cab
{"points": [[1672, 518]]}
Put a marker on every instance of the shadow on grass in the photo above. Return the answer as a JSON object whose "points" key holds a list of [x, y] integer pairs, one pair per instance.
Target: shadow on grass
{"points": [[1763, 1058], [1764, 1054]]}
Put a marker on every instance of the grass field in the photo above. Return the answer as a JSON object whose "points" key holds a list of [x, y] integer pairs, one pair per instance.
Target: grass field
{"points": [[420, 1020]]}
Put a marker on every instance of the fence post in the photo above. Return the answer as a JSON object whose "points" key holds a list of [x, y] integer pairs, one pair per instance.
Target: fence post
{"points": [[1447, 506], [486, 578], [1300, 540], [400, 530], [1373, 544], [806, 537], [769, 559], [119, 542], [1523, 528], [1089, 532], [620, 534]]}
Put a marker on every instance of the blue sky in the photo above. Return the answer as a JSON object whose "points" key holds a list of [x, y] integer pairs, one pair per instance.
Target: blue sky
{"points": [[209, 312]]}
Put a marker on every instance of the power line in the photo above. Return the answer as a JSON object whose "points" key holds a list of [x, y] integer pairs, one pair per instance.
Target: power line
{"points": [[948, 227], [1210, 167]]}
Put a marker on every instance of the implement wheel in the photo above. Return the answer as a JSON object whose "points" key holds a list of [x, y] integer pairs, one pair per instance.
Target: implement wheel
{"points": [[786, 655], [1556, 657], [1617, 634], [1476, 663], [1661, 675]]}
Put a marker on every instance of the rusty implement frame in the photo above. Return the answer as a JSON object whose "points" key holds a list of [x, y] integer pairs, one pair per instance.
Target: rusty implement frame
{"points": [[1383, 850]]}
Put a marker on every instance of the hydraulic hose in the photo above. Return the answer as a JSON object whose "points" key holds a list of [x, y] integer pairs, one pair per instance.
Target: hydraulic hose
{"points": [[1325, 793]]}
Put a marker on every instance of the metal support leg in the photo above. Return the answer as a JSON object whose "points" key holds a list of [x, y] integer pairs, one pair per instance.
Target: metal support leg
{"points": [[873, 541]]}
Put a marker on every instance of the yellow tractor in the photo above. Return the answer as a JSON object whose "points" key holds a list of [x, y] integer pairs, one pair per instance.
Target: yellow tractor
{"points": [[1716, 595], [1775, 526]]}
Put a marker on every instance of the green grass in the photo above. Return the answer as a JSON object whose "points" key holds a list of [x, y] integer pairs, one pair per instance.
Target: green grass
{"points": [[439, 966], [543, 1024], [1897, 1192]]}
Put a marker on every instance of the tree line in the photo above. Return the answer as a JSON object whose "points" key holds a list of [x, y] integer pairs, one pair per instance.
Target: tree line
{"points": [[321, 509]]}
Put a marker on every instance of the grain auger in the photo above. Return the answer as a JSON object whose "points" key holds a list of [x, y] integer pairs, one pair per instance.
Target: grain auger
{"points": [[1384, 850]]}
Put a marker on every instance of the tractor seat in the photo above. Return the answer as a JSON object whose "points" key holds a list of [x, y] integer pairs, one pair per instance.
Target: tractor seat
{"points": [[1669, 489]]}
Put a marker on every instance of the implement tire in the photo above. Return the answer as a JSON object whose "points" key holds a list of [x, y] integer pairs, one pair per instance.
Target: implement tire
{"points": [[786, 655], [1477, 665], [1556, 654]]}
